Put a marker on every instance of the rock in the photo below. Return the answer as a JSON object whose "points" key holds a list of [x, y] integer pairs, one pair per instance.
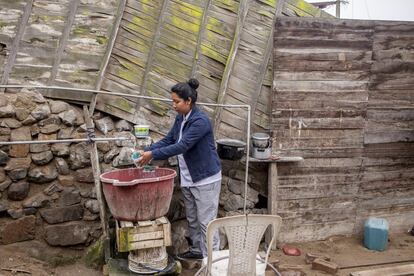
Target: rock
{"points": [[52, 188], [5, 184], [4, 131], [109, 156], [3, 207], [29, 120], [4, 157], [2, 175], [237, 187], [41, 112], [51, 120], [17, 167], [124, 158], [15, 213], [42, 158], [65, 133], [125, 143], [20, 134], [61, 149], [18, 190], [22, 114], [122, 125], [176, 210], [45, 137], [29, 211], [92, 205], [79, 156], [10, 123], [50, 129], [61, 166], [22, 229], [3, 101], [6, 111], [68, 117], [58, 106], [34, 96], [67, 234], [34, 130], [36, 148], [104, 146], [179, 230], [84, 175], [62, 214], [88, 216], [235, 202], [36, 201], [66, 180], [105, 125], [69, 197], [95, 255], [43, 174]]}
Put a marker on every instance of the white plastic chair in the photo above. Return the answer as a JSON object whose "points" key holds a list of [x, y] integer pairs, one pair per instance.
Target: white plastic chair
{"points": [[244, 234]]}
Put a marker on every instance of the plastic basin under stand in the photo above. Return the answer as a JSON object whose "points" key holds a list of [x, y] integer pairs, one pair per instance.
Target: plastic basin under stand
{"points": [[137, 195]]}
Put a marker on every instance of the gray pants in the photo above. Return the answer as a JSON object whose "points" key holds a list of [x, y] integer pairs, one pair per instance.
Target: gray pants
{"points": [[201, 205]]}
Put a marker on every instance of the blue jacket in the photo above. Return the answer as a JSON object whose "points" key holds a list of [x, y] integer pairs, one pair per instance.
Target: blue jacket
{"points": [[197, 145]]}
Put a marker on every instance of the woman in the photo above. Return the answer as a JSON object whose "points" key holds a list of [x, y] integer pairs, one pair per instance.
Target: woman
{"points": [[191, 139]]}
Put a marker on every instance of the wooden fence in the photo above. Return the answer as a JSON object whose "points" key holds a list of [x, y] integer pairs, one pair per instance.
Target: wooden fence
{"points": [[344, 100]]}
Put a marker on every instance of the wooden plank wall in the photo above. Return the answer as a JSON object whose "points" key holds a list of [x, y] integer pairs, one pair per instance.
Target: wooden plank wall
{"points": [[48, 54], [342, 104], [387, 188], [164, 42]]}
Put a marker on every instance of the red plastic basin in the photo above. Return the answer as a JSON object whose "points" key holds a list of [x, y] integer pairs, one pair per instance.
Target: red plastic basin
{"points": [[136, 195]]}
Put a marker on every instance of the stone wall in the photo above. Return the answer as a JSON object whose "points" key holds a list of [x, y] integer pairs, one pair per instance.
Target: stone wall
{"points": [[47, 190]]}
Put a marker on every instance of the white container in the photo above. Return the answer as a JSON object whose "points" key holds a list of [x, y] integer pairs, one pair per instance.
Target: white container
{"points": [[141, 131], [260, 140]]}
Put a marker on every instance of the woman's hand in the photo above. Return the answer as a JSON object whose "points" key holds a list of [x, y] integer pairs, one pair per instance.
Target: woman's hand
{"points": [[145, 158]]}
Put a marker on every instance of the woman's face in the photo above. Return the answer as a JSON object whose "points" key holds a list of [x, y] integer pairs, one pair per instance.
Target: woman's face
{"points": [[180, 105]]}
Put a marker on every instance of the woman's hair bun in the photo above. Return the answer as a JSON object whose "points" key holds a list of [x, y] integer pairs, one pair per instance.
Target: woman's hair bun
{"points": [[193, 83]]}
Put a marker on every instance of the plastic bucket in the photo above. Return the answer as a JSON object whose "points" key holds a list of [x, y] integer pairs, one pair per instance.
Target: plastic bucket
{"points": [[141, 131], [136, 195]]}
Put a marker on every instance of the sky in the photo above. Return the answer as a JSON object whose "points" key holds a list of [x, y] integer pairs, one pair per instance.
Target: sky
{"points": [[401, 10]]}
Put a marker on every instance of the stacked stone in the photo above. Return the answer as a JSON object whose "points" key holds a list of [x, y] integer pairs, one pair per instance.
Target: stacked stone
{"points": [[50, 186], [47, 190]]}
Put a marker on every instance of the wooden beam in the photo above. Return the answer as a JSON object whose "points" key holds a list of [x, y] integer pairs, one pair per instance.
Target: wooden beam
{"points": [[153, 46], [96, 172], [15, 44], [241, 16], [108, 52], [200, 37], [73, 7], [266, 59]]}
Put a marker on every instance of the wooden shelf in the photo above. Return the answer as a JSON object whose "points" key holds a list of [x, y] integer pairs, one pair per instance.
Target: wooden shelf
{"points": [[278, 160]]}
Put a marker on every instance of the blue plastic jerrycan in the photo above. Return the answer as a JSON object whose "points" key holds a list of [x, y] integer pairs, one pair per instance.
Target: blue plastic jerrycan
{"points": [[376, 234]]}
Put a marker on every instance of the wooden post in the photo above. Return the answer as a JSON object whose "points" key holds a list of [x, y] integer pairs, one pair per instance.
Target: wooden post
{"points": [[153, 46], [73, 7], [272, 186], [338, 8], [203, 27], [243, 9], [108, 52], [96, 172]]}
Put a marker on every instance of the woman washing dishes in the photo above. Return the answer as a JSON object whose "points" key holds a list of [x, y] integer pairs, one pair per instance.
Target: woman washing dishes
{"points": [[191, 139]]}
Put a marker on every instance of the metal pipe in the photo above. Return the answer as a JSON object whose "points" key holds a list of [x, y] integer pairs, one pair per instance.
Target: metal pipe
{"points": [[65, 141], [248, 107]]}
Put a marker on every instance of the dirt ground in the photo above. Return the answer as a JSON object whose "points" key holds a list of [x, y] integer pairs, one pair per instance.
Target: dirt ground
{"points": [[35, 258]]}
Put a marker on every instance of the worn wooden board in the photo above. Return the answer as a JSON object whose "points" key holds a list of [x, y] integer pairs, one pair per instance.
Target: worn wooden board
{"points": [[356, 165]]}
